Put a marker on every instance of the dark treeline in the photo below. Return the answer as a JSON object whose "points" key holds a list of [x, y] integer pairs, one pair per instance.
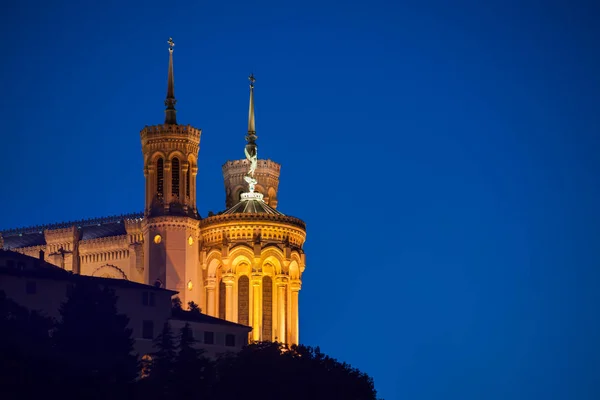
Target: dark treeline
{"points": [[88, 354]]}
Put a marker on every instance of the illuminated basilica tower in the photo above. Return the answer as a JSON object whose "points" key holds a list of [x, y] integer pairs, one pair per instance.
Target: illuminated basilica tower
{"points": [[251, 253], [244, 264], [170, 226]]}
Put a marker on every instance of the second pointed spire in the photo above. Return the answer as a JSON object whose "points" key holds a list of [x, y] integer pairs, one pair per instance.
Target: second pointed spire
{"points": [[170, 112]]}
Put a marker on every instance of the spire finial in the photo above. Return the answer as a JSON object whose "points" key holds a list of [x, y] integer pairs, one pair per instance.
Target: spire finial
{"points": [[170, 112], [251, 150], [251, 125]]}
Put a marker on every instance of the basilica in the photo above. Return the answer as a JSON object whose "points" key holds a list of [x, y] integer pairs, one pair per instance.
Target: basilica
{"points": [[243, 265]]}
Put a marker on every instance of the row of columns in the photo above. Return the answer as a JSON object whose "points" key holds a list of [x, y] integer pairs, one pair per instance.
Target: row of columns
{"points": [[284, 314]]}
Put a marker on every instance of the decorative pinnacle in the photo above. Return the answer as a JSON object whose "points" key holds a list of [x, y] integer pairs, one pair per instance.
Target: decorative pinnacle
{"points": [[251, 150], [170, 112], [251, 125]]}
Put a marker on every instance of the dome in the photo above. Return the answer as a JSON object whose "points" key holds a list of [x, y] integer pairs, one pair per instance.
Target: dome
{"points": [[252, 203]]}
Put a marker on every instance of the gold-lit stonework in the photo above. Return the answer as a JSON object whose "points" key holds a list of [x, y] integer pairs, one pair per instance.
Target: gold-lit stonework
{"points": [[244, 264]]}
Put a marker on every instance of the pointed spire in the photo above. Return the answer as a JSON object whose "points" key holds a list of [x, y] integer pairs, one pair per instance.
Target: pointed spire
{"points": [[170, 112], [251, 126], [251, 150]]}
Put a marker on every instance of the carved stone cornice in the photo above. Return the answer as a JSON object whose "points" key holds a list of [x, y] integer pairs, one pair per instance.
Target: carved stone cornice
{"points": [[172, 222], [248, 217], [238, 230]]}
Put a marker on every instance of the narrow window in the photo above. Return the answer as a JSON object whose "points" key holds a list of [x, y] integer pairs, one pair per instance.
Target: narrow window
{"points": [[30, 287], [145, 298], [209, 337], [230, 340], [175, 177], [159, 177], [222, 299], [267, 307], [148, 329], [243, 299], [152, 300], [187, 180]]}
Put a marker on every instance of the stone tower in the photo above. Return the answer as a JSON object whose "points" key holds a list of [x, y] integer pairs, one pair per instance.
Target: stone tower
{"points": [[267, 175], [251, 253], [170, 226]]}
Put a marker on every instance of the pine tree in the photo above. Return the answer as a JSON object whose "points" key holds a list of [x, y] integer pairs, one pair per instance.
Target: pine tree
{"points": [[94, 342], [194, 373], [163, 363], [28, 364], [193, 307]]}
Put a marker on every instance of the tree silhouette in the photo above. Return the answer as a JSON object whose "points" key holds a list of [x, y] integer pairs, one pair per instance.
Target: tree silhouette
{"points": [[94, 343], [193, 307], [192, 366], [160, 382], [27, 363], [176, 304], [273, 372]]}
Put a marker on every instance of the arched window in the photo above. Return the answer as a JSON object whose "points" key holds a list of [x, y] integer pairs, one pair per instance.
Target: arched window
{"points": [[267, 308], [187, 180], [160, 177], [243, 300], [175, 177]]}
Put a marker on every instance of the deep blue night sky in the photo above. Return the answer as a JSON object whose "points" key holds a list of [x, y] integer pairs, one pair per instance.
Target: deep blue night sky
{"points": [[444, 157]]}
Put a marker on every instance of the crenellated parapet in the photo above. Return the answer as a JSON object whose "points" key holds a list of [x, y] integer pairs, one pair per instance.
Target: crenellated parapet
{"points": [[65, 238], [133, 227], [267, 174], [165, 131]]}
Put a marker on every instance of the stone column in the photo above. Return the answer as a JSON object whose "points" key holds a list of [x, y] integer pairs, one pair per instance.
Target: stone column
{"points": [[295, 286], [183, 187], [147, 180], [210, 285], [256, 306], [228, 280], [167, 182], [281, 282], [193, 187]]}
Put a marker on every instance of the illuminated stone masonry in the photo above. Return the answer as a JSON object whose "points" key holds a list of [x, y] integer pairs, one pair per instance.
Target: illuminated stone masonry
{"points": [[244, 264]]}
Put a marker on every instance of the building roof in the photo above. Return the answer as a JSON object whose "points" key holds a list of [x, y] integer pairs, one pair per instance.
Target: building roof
{"points": [[183, 315], [36, 268], [88, 229], [252, 206]]}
